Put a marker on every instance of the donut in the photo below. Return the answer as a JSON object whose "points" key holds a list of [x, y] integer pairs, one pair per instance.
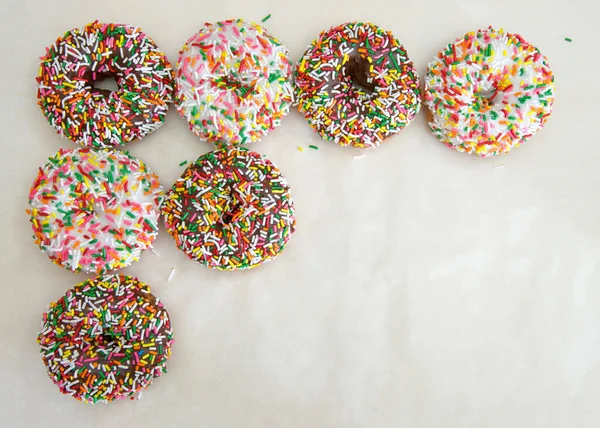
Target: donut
{"points": [[356, 85], [94, 210], [233, 82], [488, 92], [96, 117], [106, 338], [231, 209]]}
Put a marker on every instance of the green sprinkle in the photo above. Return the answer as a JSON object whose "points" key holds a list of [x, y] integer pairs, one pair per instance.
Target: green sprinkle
{"points": [[313, 147], [266, 17], [182, 163], [568, 39]]}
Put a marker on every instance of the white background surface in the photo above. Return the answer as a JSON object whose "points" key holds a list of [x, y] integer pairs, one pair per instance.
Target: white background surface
{"points": [[423, 287]]}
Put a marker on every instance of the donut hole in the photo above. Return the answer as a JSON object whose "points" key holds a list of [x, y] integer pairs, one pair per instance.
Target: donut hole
{"points": [[104, 84], [230, 213], [358, 70], [488, 97], [232, 83]]}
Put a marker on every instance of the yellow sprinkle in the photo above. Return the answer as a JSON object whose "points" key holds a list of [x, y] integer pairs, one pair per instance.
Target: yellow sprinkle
{"points": [[300, 149]]}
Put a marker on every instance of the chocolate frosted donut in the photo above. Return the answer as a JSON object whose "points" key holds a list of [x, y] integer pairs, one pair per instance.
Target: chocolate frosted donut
{"points": [[231, 209], [98, 117], [356, 85], [106, 338]]}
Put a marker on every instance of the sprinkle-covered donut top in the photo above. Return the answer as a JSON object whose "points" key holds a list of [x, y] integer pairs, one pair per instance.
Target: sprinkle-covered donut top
{"points": [[97, 117], [488, 92], [233, 82], [106, 338], [231, 209], [94, 210], [356, 85]]}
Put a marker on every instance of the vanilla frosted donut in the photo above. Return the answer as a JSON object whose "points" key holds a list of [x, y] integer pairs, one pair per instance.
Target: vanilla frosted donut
{"points": [[488, 92], [94, 210], [233, 82]]}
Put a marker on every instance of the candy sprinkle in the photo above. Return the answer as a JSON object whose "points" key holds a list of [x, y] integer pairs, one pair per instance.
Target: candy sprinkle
{"points": [[266, 18], [171, 274], [94, 210], [97, 117], [568, 39], [107, 338], [300, 149], [231, 209], [313, 147], [234, 82], [183, 163]]}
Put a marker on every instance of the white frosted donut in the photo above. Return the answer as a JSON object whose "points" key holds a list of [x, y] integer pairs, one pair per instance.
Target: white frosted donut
{"points": [[94, 210], [488, 92], [233, 82]]}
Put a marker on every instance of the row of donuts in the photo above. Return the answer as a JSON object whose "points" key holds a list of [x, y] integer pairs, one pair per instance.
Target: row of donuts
{"points": [[486, 92]]}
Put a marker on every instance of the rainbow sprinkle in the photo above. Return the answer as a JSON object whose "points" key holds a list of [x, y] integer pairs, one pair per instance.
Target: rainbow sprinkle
{"points": [[94, 210], [231, 209], [356, 85], [488, 92], [97, 117], [105, 339], [233, 82]]}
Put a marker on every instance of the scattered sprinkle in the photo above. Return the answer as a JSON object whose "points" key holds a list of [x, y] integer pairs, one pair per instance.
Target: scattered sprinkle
{"points": [[171, 274], [498, 166], [313, 147], [231, 209], [266, 18], [154, 252], [568, 39], [89, 116], [105, 339], [360, 156], [300, 149], [183, 163]]}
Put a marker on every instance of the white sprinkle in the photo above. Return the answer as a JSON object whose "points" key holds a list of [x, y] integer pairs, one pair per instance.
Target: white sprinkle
{"points": [[154, 252], [171, 274], [498, 166], [360, 156]]}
